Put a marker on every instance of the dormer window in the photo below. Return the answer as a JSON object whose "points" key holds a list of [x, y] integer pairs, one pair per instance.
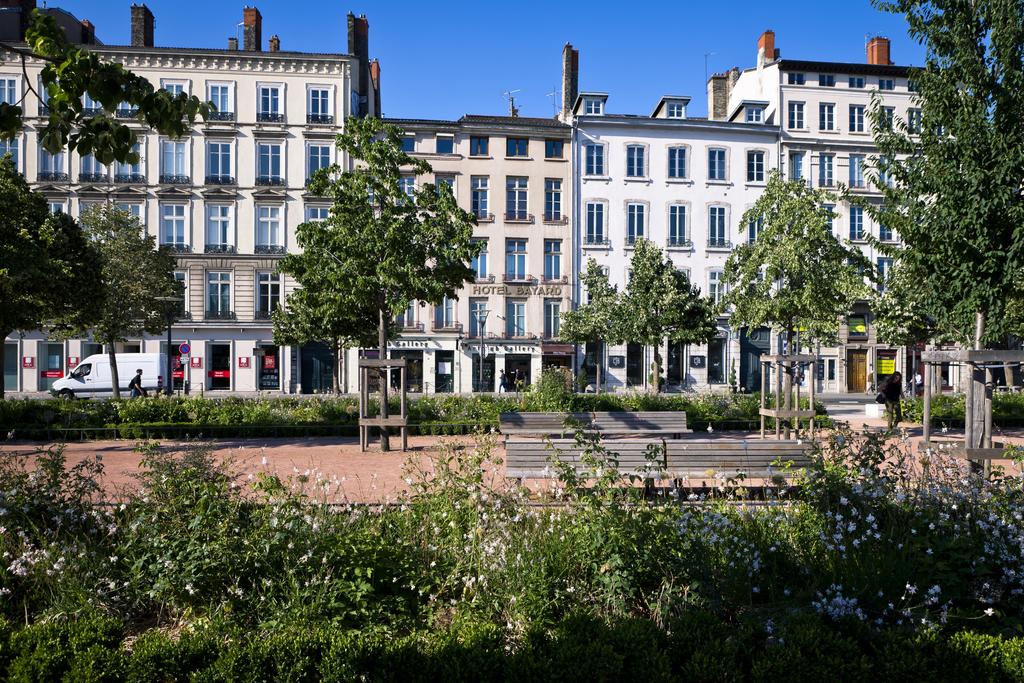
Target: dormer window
{"points": [[675, 110], [592, 106], [755, 115]]}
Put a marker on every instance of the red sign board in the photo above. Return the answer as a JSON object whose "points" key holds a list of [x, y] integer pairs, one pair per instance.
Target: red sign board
{"points": [[178, 374], [243, 361], [72, 361], [52, 374], [269, 362], [196, 361], [220, 374], [28, 361]]}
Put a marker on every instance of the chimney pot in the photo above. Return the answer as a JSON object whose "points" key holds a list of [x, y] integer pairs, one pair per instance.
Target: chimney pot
{"points": [[878, 51], [359, 47], [252, 29], [274, 43], [232, 43], [142, 26]]}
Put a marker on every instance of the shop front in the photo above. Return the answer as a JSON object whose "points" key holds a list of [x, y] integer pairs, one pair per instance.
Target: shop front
{"points": [[556, 356], [268, 367]]}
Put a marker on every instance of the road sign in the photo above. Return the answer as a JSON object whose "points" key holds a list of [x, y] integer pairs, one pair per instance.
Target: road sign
{"points": [[184, 349]]}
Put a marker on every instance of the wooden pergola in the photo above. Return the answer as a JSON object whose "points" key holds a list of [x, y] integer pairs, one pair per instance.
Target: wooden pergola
{"points": [[367, 421], [783, 364]]}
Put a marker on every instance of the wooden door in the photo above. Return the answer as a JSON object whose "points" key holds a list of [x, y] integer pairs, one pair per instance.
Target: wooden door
{"points": [[856, 371]]}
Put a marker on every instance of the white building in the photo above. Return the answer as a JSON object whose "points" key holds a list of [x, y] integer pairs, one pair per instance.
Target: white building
{"points": [[227, 197]]}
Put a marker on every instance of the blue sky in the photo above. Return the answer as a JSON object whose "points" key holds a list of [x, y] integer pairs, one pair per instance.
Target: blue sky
{"points": [[441, 60]]}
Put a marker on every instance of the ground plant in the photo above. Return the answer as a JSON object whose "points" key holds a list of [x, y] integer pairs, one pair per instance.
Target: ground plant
{"points": [[879, 563]]}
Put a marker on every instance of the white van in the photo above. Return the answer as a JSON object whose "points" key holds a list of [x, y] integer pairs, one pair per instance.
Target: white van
{"points": [[92, 376]]}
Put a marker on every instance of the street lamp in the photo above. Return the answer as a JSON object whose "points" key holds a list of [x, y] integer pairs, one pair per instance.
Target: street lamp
{"points": [[481, 320], [172, 314]]}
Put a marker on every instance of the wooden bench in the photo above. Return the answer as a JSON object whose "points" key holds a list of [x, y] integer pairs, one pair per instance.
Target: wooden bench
{"points": [[696, 459], [623, 423]]}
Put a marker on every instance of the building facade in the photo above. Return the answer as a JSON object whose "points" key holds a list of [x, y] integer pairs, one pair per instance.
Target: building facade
{"points": [[227, 197]]}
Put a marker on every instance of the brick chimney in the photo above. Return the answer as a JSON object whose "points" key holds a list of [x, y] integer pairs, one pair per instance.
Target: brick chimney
{"points": [[878, 51], [274, 44], [570, 79], [375, 83], [232, 43], [252, 29], [719, 89], [88, 32], [142, 26], [359, 47], [766, 51]]}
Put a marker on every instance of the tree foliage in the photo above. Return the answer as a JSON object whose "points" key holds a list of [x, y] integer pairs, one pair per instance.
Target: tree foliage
{"points": [[46, 269], [593, 321], [955, 197], [796, 274], [69, 73]]}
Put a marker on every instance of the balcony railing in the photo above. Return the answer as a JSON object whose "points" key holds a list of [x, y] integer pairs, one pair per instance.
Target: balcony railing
{"points": [[93, 178], [270, 181], [518, 277], [269, 249], [556, 219], [680, 243], [53, 176], [92, 111], [486, 279], [409, 326], [518, 217], [220, 180], [484, 217], [220, 315], [126, 112], [269, 117], [221, 116], [166, 179], [130, 178], [446, 326], [719, 243], [263, 315], [596, 241], [556, 280], [319, 118], [631, 241], [220, 249], [177, 247]]}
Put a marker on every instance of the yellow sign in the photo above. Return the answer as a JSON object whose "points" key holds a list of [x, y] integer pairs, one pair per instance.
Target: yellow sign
{"points": [[857, 324], [886, 366]]}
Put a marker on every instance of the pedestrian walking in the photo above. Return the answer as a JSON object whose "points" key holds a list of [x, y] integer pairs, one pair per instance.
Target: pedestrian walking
{"points": [[503, 383], [135, 386], [891, 393]]}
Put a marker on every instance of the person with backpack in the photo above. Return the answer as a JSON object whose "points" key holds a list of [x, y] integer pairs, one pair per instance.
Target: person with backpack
{"points": [[135, 386], [891, 394]]}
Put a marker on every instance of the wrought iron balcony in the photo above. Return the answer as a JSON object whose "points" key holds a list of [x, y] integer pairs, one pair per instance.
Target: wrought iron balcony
{"points": [[221, 116], [483, 217], [596, 241], [518, 217], [719, 243], [446, 326], [130, 178], [268, 117], [319, 118], [175, 179], [269, 249], [680, 243], [556, 219], [263, 315], [93, 178], [220, 180], [44, 110], [220, 315], [92, 111], [556, 280], [220, 249], [126, 112], [269, 181], [177, 247], [408, 326], [53, 176], [518, 278]]}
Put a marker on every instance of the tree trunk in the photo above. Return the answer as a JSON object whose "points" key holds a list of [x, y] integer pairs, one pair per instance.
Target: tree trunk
{"points": [[787, 377], [115, 381], [657, 369], [3, 360], [384, 375], [974, 425], [336, 375]]}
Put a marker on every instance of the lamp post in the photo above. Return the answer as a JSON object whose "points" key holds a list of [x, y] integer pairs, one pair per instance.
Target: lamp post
{"points": [[481, 320], [171, 314]]}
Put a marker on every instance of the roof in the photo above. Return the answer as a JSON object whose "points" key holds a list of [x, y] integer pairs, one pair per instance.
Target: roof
{"points": [[843, 67], [485, 121], [665, 99], [223, 51], [695, 122]]}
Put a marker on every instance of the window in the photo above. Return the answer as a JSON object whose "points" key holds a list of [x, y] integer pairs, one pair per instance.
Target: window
{"points": [[407, 184], [856, 223], [515, 198], [319, 106], [444, 314], [9, 90], [175, 88], [218, 294], [887, 116], [754, 228], [856, 170], [552, 318], [796, 115], [884, 177], [552, 199], [716, 286], [594, 158], [856, 81], [268, 164], [677, 226], [317, 157], [516, 147], [220, 98], [92, 170], [911, 85], [755, 166], [675, 110], [269, 294], [408, 144], [795, 79], [716, 227], [182, 282], [479, 262], [826, 163], [914, 121], [56, 207], [218, 162], [445, 144], [884, 268], [446, 179], [51, 166], [128, 173], [553, 149], [856, 118], [636, 217], [172, 162], [172, 225], [407, 318], [593, 106], [885, 233], [10, 146], [478, 195], [716, 164], [478, 146], [677, 162], [218, 227], [515, 259], [826, 116], [796, 166], [595, 224], [477, 317], [134, 209], [827, 80], [269, 107], [515, 318], [754, 115], [886, 84], [552, 260], [635, 161], [830, 214], [317, 212], [268, 229]]}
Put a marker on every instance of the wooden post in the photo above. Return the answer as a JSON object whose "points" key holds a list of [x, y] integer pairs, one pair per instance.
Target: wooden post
{"points": [[764, 389], [986, 438], [402, 379], [927, 400], [778, 396], [796, 376], [814, 381]]}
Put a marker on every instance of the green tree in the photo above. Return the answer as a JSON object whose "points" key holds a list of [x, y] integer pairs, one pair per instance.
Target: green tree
{"points": [[660, 303], [71, 71], [133, 274], [796, 275], [594, 321], [383, 247], [46, 272]]}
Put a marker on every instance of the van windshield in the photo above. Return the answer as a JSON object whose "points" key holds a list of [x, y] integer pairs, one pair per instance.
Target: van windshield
{"points": [[82, 370]]}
